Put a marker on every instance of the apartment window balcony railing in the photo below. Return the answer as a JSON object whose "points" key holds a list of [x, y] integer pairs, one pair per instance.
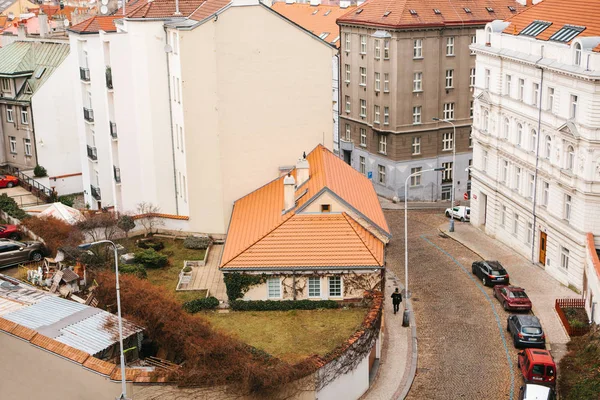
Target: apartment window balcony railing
{"points": [[95, 192], [113, 130], [88, 114], [84, 74], [109, 82], [117, 173], [92, 153]]}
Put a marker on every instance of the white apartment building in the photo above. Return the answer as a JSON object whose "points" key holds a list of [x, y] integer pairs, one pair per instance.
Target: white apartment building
{"points": [[207, 102], [536, 133]]}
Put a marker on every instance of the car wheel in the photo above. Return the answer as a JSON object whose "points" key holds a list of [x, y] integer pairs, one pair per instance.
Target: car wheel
{"points": [[484, 281], [10, 184], [447, 214], [507, 327], [473, 270], [505, 306], [515, 342], [14, 236], [36, 256], [462, 219]]}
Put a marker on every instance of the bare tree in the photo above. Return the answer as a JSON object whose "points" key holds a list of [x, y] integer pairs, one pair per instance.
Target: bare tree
{"points": [[147, 216], [99, 226]]}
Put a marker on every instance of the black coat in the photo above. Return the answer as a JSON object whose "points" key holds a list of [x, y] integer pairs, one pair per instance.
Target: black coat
{"points": [[396, 298]]}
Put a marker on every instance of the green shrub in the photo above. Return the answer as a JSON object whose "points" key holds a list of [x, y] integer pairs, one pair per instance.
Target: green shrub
{"points": [[39, 171], [9, 205], [187, 269], [151, 259], [285, 305], [196, 243], [67, 200], [193, 306], [126, 223], [151, 244], [134, 269]]}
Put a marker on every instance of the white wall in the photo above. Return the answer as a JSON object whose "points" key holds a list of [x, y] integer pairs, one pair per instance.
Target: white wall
{"points": [[348, 386]]}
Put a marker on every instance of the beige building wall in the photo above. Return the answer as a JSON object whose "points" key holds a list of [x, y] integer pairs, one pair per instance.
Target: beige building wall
{"points": [[257, 92], [326, 198]]}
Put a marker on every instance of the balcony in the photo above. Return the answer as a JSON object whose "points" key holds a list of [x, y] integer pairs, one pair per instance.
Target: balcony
{"points": [[95, 192], [117, 173], [92, 153], [84, 74], [88, 114], [113, 130], [109, 82]]}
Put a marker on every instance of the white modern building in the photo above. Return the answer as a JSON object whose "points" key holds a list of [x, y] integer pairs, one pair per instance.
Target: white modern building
{"points": [[536, 133], [208, 99]]}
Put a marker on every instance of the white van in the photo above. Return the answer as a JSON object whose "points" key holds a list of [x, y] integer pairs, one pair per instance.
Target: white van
{"points": [[460, 212], [536, 392]]}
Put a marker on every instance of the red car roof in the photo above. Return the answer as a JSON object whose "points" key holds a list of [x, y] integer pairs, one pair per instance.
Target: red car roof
{"points": [[540, 356]]}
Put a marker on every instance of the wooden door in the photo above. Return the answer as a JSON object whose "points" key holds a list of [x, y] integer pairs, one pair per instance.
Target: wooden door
{"points": [[543, 244]]}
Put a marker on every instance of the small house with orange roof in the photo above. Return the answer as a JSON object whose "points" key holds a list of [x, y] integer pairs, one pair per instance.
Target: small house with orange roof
{"points": [[317, 232]]}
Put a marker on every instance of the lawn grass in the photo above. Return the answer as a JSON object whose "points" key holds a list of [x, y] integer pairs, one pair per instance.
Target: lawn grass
{"points": [[290, 335]]}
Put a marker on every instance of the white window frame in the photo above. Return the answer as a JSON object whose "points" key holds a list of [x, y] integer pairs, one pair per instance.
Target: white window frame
{"points": [[568, 207], [13, 144], [529, 232], [450, 46], [417, 110], [377, 112], [416, 145], [473, 41], [486, 120], [564, 258], [347, 100], [448, 172], [386, 49], [508, 87], [573, 106], [271, 282], [517, 183], [519, 134], [415, 180], [548, 147], [449, 111], [488, 78], [386, 82], [381, 174], [535, 94], [506, 128], [330, 280], [363, 76], [521, 89], [386, 115], [417, 48], [348, 73], [533, 140], [363, 108], [312, 287], [382, 144], [516, 225], [577, 57], [484, 160], [545, 193], [449, 79], [363, 44], [570, 158], [418, 82], [347, 38], [362, 163], [377, 49], [503, 216], [348, 135], [505, 168], [24, 116], [472, 77], [531, 186], [377, 81], [28, 147], [363, 137], [550, 100], [9, 113], [447, 141]]}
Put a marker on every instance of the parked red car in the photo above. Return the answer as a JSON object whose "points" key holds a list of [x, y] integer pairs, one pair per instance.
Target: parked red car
{"points": [[512, 298], [8, 181], [537, 366], [10, 232]]}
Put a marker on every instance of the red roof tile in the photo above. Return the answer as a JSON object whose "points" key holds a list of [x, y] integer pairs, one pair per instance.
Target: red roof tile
{"points": [[162, 8], [208, 8], [60, 348], [96, 24], [411, 13]]}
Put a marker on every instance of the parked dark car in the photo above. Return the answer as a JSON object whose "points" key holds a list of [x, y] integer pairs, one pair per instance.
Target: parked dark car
{"points": [[526, 331], [10, 232], [490, 272], [13, 252], [512, 298]]}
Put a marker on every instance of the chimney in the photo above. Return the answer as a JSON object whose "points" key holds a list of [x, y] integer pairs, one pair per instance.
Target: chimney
{"points": [[315, 2], [21, 31], [302, 170], [290, 1], [289, 192], [43, 22], [344, 4]]}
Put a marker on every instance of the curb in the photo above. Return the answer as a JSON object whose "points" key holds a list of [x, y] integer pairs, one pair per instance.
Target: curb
{"points": [[406, 384]]}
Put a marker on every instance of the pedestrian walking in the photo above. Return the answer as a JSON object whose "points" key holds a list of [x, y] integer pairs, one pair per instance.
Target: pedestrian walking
{"points": [[396, 300]]}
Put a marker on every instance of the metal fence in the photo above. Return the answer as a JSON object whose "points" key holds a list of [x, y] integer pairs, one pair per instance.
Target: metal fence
{"points": [[37, 189]]}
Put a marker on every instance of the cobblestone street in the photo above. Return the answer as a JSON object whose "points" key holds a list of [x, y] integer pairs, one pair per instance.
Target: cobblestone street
{"points": [[462, 351]]}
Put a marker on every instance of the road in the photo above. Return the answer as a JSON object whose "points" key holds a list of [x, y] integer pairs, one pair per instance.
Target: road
{"points": [[460, 326]]}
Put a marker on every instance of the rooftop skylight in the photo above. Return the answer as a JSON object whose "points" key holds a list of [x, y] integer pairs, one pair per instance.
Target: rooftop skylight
{"points": [[467, 10], [385, 14], [567, 33], [535, 28], [413, 12], [435, 10], [489, 9]]}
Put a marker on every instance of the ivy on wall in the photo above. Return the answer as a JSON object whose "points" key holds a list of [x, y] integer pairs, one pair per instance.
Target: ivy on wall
{"points": [[238, 284]]}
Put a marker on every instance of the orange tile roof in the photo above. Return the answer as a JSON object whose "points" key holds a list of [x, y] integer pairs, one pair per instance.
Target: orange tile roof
{"points": [[451, 12], [59, 348], [257, 218], [161, 8], [208, 8], [51, 10], [95, 24], [583, 13], [324, 21], [100, 366]]}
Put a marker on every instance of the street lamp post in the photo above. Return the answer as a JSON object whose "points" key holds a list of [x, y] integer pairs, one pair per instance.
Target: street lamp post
{"points": [[86, 246], [453, 169], [406, 312]]}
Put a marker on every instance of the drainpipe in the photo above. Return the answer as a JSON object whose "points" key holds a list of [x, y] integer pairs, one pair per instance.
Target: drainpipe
{"points": [[171, 119], [537, 157]]}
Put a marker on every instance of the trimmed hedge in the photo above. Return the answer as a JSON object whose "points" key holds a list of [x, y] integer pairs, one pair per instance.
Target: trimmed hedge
{"points": [[196, 242], [151, 259], [193, 306], [134, 269], [284, 305], [9, 206], [151, 244]]}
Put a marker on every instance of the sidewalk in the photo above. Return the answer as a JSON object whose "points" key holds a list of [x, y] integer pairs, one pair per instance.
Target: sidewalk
{"points": [[398, 362], [541, 288], [387, 204]]}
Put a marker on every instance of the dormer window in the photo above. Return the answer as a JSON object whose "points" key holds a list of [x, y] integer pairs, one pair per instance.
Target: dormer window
{"points": [[577, 47], [5, 82], [488, 36], [325, 208]]}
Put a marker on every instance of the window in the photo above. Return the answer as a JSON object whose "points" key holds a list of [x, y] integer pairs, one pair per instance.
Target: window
{"points": [[447, 141], [508, 85], [567, 210], [377, 114], [535, 94], [362, 165], [545, 193], [487, 79], [381, 177], [533, 140], [519, 135], [517, 185], [470, 138], [504, 171], [386, 115], [566, 33], [377, 81], [28, 147], [506, 128], [9, 113], [325, 208], [564, 258], [363, 76], [347, 104], [472, 77], [570, 159], [386, 82], [13, 144], [363, 137], [24, 116], [418, 48], [446, 192], [521, 89], [530, 188], [416, 145], [535, 28], [274, 288], [488, 36], [181, 137], [314, 286], [5, 84], [448, 111], [450, 46], [449, 78], [335, 286], [573, 109], [548, 147], [363, 108], [529, 232], [503, 216], [382, 144], [347, 38], [577, 48], [386, 49], [516, 225], [347, 67], [486, 120], [416, 179], [363, 44], [471, 110], [417, 115], [473, 41], [377, 49], [348, 135], [550, 104], [447, 172], [417, 81], [484, 160]]}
